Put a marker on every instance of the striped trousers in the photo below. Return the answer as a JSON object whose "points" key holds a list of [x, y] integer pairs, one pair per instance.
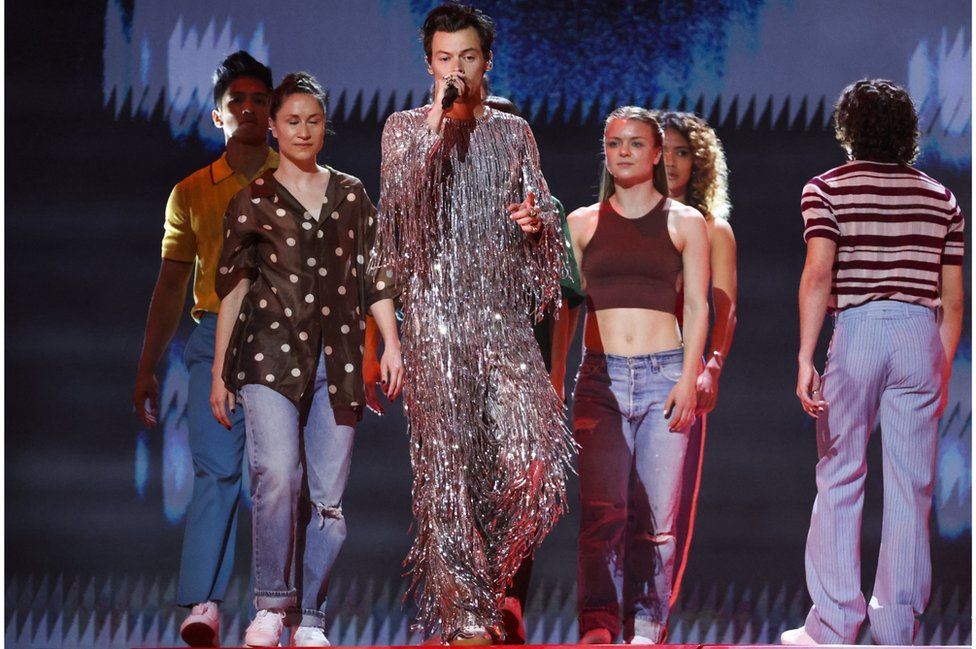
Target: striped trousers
{"points": [[884, 366]]}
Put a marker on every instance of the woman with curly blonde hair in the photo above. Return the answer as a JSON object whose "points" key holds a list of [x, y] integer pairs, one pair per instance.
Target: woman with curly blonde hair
{"points": [[698, 177]]}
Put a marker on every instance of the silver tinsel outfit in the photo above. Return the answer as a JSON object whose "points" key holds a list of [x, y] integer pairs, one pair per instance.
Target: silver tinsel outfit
{"points": [[488, 446]]}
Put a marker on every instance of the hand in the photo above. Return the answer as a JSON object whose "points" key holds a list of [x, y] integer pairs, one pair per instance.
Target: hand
{"points": [[808, 389], [371, 377], [680, 405], [221, 401], [526, 215], [707, 389], [147, 389], [455, 79], [391, 371]]}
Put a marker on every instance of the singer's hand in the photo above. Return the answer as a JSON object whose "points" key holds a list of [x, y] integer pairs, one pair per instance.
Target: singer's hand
{"points": [[526, 215], [455, 79]]}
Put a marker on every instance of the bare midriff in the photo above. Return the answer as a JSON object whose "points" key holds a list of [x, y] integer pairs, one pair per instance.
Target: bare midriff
{"points": [[630, 332]]}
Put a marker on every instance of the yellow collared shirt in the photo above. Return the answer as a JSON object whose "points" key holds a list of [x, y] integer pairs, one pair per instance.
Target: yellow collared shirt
{"points": [[194, 216]]}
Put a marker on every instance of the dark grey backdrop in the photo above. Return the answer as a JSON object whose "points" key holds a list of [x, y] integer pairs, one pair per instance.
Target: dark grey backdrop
{"points": [[84, 208]]}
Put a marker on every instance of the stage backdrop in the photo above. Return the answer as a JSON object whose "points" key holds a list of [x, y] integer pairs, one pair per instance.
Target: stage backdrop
{"points": [[108, 105]]}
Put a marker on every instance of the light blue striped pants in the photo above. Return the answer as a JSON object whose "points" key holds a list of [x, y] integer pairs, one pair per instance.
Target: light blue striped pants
{"points": [[884, 366]]}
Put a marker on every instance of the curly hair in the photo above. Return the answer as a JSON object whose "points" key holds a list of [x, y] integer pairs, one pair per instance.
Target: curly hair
{"points": [[875, 119], [708, 187], [660, 178]]}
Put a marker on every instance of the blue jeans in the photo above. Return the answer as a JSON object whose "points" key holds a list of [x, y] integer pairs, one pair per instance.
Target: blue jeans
{"points": [[295, 547], [630, 468], [884, 365], [207, 559]]}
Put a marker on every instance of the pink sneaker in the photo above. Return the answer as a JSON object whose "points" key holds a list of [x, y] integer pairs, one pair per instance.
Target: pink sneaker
{"points": [[265, 629], [201, 628], [797, 637]]}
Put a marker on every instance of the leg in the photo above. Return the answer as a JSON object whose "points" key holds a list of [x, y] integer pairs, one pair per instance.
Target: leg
{"points": [[602, 430], [276, 476], [852, 388], [909, 430], [211, 520], [328, 453], [513, 605], [655, 495], [684, 524]]}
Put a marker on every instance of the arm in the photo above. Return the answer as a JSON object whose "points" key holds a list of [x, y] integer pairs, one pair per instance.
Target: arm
{"points": [[693, 240], [165, 310], [221, 399], [814, 297], [721, 243], [371, 364], [951, 292], [563, 331]]}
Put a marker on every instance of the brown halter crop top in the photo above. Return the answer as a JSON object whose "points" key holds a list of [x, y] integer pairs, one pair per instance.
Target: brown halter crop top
{"points": [[632, 263]]}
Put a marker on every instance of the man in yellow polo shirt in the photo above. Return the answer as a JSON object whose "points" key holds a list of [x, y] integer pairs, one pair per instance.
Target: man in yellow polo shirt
{"points": [[192, 244]]}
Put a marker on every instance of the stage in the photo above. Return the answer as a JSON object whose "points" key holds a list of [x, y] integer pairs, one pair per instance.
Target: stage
{"points": [[55, 612]]}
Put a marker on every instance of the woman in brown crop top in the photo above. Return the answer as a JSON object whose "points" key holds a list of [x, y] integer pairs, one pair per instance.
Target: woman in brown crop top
{"points": [[635, 396]]}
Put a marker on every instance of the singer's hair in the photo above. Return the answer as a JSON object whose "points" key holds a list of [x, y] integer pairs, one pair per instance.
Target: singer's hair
{"points": [[237, 65], [708, 187], [453, 17], [299, 83], [875, 119], [644, 116]]}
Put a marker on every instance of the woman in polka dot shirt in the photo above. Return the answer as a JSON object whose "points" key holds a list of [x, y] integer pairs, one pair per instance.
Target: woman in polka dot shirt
{"points": [[295, 289]]}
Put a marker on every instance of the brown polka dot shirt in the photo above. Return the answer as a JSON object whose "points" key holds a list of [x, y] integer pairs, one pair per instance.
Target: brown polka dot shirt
{"points": [[310, 289]]}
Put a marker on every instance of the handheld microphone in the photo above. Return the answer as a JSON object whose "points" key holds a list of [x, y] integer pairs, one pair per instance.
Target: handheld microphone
{"points": [[450, 95]]}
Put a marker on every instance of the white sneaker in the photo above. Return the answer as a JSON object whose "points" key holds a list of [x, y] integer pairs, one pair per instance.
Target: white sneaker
{"points": [[265, 629], [639, 639], [201, 628], [310, 636], [797, 637]]}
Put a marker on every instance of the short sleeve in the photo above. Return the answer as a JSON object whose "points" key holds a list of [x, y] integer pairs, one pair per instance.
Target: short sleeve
{"points": [[954, 246], [818, 217], [378, 283], [179, 240], [238, 258]]}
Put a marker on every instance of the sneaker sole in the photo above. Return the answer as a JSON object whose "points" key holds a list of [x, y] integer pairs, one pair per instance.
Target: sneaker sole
{"points": [[198, 634]]}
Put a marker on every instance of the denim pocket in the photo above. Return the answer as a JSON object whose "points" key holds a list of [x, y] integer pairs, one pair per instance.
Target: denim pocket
{"points": [[671, 369]]}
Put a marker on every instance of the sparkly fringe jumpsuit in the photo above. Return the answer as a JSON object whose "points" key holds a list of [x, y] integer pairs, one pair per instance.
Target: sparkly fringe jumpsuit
{"points": [[488, 445]]}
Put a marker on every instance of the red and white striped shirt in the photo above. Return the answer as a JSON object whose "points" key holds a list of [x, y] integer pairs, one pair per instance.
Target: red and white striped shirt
{"points": [[894, 227]]}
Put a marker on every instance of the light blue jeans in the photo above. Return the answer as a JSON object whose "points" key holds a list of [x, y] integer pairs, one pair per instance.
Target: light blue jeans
{"points": [[630, 468], [884, 366], [295, 547]]}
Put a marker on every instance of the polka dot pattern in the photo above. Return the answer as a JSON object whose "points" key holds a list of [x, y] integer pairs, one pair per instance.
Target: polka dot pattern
{"points": [[314, 266]]}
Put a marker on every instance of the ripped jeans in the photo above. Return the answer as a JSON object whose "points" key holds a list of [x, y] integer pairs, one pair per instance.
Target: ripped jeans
{"points": [[299, 468], [630, 468]]}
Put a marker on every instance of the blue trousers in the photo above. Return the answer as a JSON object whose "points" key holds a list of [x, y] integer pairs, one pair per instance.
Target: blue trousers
{"points": [[630, 469], [884, 365], [297, 536], [207, 560]]}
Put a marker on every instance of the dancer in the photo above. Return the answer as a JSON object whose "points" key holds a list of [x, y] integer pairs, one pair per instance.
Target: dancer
{"points": [[191, 245], [295, 292], [468, 229], [698, 177], [635, 397], [884, 255]]}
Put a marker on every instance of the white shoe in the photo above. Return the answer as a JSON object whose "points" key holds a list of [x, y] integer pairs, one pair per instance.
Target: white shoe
{"points": [[201, 628], [310, 636], [265, 629], [639, 639], [797, 637]]}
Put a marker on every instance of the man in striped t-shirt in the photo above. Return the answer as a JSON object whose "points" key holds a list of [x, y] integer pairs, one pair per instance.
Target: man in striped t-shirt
{"points": [[884, 254]]}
